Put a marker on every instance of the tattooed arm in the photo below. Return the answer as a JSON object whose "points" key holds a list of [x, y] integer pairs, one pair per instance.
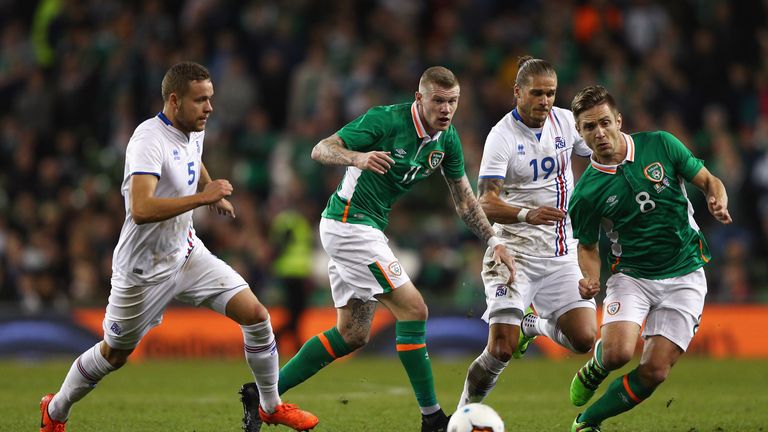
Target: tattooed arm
{"points": [[500, 212], [332, 151], [470, 211], [468, 208]]}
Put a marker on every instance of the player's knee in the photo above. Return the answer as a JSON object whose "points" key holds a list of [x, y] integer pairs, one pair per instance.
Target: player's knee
{"points": [[652, 374], [116, 358], [582, 342], [501, 353], [253, 316], [355, 339], [502, 348], [615, 358]]}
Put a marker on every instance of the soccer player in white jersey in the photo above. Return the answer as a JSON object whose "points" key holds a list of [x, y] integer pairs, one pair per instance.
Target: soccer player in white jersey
{"points": [[525, 183], [159, 258]]}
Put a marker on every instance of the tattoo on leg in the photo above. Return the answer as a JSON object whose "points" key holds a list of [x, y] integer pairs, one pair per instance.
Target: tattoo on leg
{"points": [[362, 315]]}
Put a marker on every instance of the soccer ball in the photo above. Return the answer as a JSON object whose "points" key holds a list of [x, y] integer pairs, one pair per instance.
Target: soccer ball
{"points": [[475, 417]]}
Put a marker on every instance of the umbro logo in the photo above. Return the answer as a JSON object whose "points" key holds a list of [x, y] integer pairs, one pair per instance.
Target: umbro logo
{"points": [[400, 153], [612, 200]]}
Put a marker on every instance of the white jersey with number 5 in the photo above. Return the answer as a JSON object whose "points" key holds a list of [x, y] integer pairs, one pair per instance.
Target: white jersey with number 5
{"points": [[536, 169], [150, 253]]}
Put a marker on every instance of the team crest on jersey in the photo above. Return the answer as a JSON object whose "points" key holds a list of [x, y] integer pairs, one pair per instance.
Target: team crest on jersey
{"points": [[435, 158], [654, 172], [501, 291], [395, 269], [559, 143], [613, 308]]}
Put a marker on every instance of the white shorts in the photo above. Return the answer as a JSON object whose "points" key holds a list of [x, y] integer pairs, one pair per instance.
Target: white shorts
{"points": [[202, 279], [670, 307], [551, 284], [361, 264]]}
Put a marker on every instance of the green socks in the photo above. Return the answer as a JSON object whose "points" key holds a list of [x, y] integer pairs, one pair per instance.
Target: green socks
{"points": [[623, 394], [412, 350], [326, 347], [314, 355]]}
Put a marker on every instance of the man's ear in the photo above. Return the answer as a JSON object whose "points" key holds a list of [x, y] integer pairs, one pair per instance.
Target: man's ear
{"points": [[618, 121]]}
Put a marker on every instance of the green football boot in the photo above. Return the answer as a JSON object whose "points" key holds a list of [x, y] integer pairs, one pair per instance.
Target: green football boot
{"points": [[583, 426], [523, 341], [587, 380]]}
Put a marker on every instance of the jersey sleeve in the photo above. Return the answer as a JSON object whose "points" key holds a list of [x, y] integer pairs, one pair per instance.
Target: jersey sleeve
{"points": [[453, 166], [364, 132], [144, 154], [682, 158], [495, 157], [584, 219]]}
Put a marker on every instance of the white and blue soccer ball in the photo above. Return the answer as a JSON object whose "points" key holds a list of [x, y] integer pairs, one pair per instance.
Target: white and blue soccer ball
{"points": [[476, 417]]}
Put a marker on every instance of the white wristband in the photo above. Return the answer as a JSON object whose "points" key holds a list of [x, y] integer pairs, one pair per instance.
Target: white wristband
{"points": [[522, 214], [493, 242]]}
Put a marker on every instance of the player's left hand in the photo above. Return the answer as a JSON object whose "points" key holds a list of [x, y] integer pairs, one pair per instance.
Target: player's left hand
{"points": [[223, 207], [719, 209], [501, 256]]}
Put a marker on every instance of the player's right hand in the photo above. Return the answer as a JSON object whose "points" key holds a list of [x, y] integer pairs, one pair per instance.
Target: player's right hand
{"points": [[377, 161], [216, 190], [544, 216], [588, 288]]}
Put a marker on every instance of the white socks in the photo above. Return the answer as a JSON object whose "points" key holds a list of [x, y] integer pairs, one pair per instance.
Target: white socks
{"points": [[86, 371], [261, 355], [481, 378], [533, 325]]}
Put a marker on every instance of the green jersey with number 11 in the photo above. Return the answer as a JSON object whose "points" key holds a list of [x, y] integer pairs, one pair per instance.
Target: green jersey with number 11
{"points": [[643, 208], [365, 197]]}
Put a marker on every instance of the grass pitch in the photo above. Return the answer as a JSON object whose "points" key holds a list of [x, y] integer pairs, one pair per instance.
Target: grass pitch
{"points": [[373, 394]]}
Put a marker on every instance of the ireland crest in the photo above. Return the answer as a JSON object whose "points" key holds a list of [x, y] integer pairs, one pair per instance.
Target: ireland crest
{"points": [[435, 158], [613, 308], [654, 172]]}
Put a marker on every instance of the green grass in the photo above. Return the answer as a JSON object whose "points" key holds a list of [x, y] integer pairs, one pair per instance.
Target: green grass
{"points": [[372, 394]]}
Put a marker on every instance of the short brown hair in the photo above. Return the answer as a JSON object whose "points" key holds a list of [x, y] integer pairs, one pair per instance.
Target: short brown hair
{"points": [[440, 76], [589, 97], [178, 77], [529, 67]]}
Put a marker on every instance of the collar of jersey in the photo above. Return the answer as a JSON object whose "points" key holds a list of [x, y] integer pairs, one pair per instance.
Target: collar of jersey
{"points": [[420, 131], [167, 122], [611, 169]]}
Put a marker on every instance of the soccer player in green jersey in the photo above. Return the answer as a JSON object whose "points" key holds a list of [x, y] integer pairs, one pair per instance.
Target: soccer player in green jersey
{"points": [[387, 150], [634, 188]]}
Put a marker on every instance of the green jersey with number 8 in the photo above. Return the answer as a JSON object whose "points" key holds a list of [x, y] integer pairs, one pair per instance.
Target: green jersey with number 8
{"points": [[643, 207], [364, 197]]}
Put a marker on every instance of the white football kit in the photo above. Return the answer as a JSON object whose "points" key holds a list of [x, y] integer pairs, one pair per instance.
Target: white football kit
{"points": [[536, 168], [154, 263]]}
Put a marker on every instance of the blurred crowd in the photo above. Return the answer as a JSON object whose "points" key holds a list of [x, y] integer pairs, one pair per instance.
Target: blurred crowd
{"points": [[77, 76]]}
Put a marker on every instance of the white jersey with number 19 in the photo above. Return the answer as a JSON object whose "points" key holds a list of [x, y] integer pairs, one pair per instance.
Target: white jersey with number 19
{"points": [[150, 253], [536, 169]]}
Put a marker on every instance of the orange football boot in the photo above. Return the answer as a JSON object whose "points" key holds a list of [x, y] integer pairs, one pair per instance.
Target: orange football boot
{"points": [[47, 424], [289, 415]]}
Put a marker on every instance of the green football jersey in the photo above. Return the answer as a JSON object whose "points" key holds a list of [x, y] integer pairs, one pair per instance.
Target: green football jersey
{"points": [[643, 208], [364, 197]]}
